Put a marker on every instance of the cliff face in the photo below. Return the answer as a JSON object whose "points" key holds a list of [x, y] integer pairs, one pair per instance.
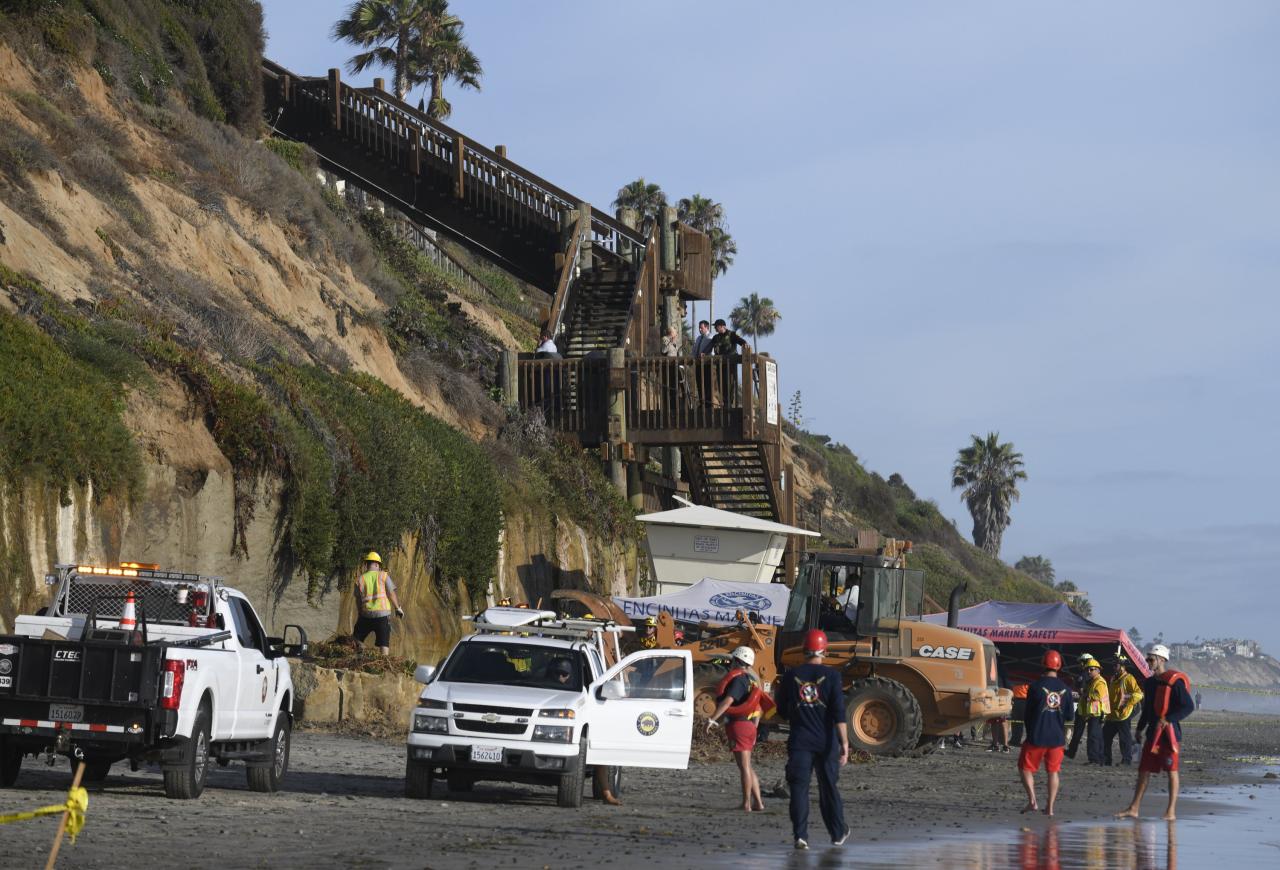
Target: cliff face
{"points": [[236, 311], [1262, 672]]}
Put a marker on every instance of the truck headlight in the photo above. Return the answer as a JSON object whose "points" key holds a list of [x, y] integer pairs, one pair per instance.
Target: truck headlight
{"points": [[557, 714], [553, 733], [430, 724]]}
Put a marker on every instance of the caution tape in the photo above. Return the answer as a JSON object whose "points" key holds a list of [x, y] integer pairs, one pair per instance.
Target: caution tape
{"points": [[75, 807]]}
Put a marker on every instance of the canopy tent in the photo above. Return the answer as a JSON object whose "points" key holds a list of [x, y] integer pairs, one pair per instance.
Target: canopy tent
{"points": [[1023, 631], [714, 602]]}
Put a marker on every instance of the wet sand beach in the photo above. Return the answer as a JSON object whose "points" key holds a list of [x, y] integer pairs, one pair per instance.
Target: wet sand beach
{"points": [[343, 807]]}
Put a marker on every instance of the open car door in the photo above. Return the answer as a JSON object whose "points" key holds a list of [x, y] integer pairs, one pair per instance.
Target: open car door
{"points": [[640, 713]]}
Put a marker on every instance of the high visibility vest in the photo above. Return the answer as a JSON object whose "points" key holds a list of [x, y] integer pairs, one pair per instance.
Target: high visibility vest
{"points": [[1128, 688], [373, 591], [1097, 700]]}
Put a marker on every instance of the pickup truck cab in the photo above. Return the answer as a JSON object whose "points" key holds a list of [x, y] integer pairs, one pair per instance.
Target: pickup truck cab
{"points": [[530, 697], [137, 663]]}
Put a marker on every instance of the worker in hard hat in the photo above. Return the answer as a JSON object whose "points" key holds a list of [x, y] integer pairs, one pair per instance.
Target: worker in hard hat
{"points": [[1094, 705], [739, 704], [649, 640], [376, 600], [1166, 702], [811, 698], [1048, 710], [1126, 704]]}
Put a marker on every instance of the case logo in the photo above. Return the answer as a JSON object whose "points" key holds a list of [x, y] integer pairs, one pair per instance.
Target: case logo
{"points": [[647, 724], [945, 652]]}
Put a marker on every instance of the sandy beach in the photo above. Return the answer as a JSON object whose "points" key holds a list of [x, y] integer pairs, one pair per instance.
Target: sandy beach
{"points": [[342, 790]]}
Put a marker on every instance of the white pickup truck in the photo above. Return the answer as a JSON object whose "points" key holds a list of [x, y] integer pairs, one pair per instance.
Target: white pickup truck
{"points": [[133, 662], [533, 698]]}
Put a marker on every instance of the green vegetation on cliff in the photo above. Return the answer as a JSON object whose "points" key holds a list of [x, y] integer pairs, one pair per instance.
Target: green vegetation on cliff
{"points": [[891, 507]]}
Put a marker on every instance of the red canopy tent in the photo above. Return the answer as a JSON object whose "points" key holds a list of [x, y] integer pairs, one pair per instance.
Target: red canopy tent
{"points": [[1022, 632]]}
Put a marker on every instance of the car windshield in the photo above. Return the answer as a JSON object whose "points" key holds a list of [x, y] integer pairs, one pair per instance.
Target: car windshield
{"points": [[515, 664]]}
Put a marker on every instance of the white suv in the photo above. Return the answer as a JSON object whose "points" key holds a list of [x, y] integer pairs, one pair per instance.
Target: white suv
{"points": [[532, 698]]}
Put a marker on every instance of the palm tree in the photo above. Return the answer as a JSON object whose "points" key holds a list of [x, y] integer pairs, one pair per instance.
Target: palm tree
{"points": [[723, 250], [1037, 567], [390, 29], [701, 213], [436, 59], [755, 316], [647, 200], [988, 472]]}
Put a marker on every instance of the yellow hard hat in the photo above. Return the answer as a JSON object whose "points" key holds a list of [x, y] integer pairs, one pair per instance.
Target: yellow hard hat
{"points": [[650, 621], [373, 557]]}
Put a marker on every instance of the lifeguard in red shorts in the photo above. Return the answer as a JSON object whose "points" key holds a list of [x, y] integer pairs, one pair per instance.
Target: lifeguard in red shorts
{"points": [[741, 702], [1050, 707], [1166, 702]]}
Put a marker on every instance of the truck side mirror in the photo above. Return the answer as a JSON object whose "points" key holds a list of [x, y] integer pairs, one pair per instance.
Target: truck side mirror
{"points": [[611, 691], [424, 673], [298, 649]]}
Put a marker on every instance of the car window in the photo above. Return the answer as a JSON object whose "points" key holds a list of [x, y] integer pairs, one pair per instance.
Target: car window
{"points": [[248, 630], [653, 677]]}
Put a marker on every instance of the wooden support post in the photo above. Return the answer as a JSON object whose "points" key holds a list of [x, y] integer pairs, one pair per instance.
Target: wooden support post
{"points": [[508, 366], [285, 85], [617, 434], [584, 220], [628, 217], [380, 84], [460, 166], [671, 464], [635, 483], [744, 389], [501, 151], [335, 97], [669, 229], [415, 151]]}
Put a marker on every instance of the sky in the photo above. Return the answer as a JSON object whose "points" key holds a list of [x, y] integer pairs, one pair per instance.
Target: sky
{"points": [[1060, 222]]}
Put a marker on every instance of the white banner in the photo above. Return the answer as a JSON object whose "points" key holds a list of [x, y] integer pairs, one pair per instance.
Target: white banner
{"points": [[713, 601]]}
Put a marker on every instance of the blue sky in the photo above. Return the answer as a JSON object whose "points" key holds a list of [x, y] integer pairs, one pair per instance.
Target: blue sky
{"points": [[1057, 221]]}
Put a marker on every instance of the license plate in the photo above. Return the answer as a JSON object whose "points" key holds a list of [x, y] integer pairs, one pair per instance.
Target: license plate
{"points": [[490, 754], [6, 682], [66, 712]]}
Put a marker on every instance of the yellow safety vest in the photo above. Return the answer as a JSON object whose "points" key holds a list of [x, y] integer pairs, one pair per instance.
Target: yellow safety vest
{"points": [[1128, 686], [373, 591], [1096, 701]]}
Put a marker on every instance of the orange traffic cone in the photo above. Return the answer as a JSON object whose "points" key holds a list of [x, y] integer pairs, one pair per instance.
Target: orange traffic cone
{"points": [[129, 618]]}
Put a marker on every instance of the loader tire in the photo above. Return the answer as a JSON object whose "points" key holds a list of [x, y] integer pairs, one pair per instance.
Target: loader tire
{"points": [[883, 717]]}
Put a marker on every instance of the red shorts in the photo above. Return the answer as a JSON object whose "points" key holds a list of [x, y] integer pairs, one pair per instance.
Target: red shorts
{"points": [[1031, 756], [1163, 760], [741, 734]]}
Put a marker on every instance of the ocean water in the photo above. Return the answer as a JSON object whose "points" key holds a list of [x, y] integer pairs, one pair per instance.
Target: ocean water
{"points": [[1240, 702]]}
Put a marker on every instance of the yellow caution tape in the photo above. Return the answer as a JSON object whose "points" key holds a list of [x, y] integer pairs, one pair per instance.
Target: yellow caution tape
{"points": [[75, 807]]}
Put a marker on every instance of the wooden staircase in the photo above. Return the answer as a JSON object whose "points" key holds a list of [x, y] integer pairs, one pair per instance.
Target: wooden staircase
{"points": [[599, 313], [733, 477]]}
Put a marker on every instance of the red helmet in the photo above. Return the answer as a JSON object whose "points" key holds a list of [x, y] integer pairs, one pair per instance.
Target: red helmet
{"points": [[1052, 661], [815, 642]]}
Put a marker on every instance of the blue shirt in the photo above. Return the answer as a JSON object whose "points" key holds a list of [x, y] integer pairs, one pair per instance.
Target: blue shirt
{"points": [[1049, 708], [811, 698]]}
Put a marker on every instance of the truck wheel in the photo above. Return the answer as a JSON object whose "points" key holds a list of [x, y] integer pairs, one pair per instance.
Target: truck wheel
{"points": [[10, 763], [573, 781], [613, 778], [186, 781], [95, 769], [269, 778], [458, 781], [418, 779], [884, 718]]}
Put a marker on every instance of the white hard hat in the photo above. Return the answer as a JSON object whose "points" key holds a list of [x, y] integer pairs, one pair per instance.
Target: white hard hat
{"points": [[1159, 649], [745, 654]]}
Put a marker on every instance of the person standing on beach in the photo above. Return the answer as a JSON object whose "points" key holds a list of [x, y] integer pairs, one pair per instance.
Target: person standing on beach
{"points": [[1048, 710], [739, 702], [1126, 703], [811, 698], [1095, 703], [1166, 702], [375, 594]]}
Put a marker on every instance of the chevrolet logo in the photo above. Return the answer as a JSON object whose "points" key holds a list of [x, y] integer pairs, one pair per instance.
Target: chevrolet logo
{"points": [[490, 717]]}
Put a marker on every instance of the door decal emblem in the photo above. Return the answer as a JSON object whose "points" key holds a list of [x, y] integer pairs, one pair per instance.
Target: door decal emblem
{"points": [[647, 724]]}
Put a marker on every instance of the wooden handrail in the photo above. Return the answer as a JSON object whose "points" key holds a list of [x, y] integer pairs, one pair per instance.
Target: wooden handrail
{"points": [[568, 271]]}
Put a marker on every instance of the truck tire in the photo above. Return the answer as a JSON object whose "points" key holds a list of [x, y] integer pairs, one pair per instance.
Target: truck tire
{"points": [[458, 781], [186, 781], [10, 763], [573, 781], [418, 779], [270, 777], [613, 777], [883, 717]]}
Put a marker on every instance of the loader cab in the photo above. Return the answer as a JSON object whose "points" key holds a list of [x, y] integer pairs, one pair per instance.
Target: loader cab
{"points": [[852, 596]]}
